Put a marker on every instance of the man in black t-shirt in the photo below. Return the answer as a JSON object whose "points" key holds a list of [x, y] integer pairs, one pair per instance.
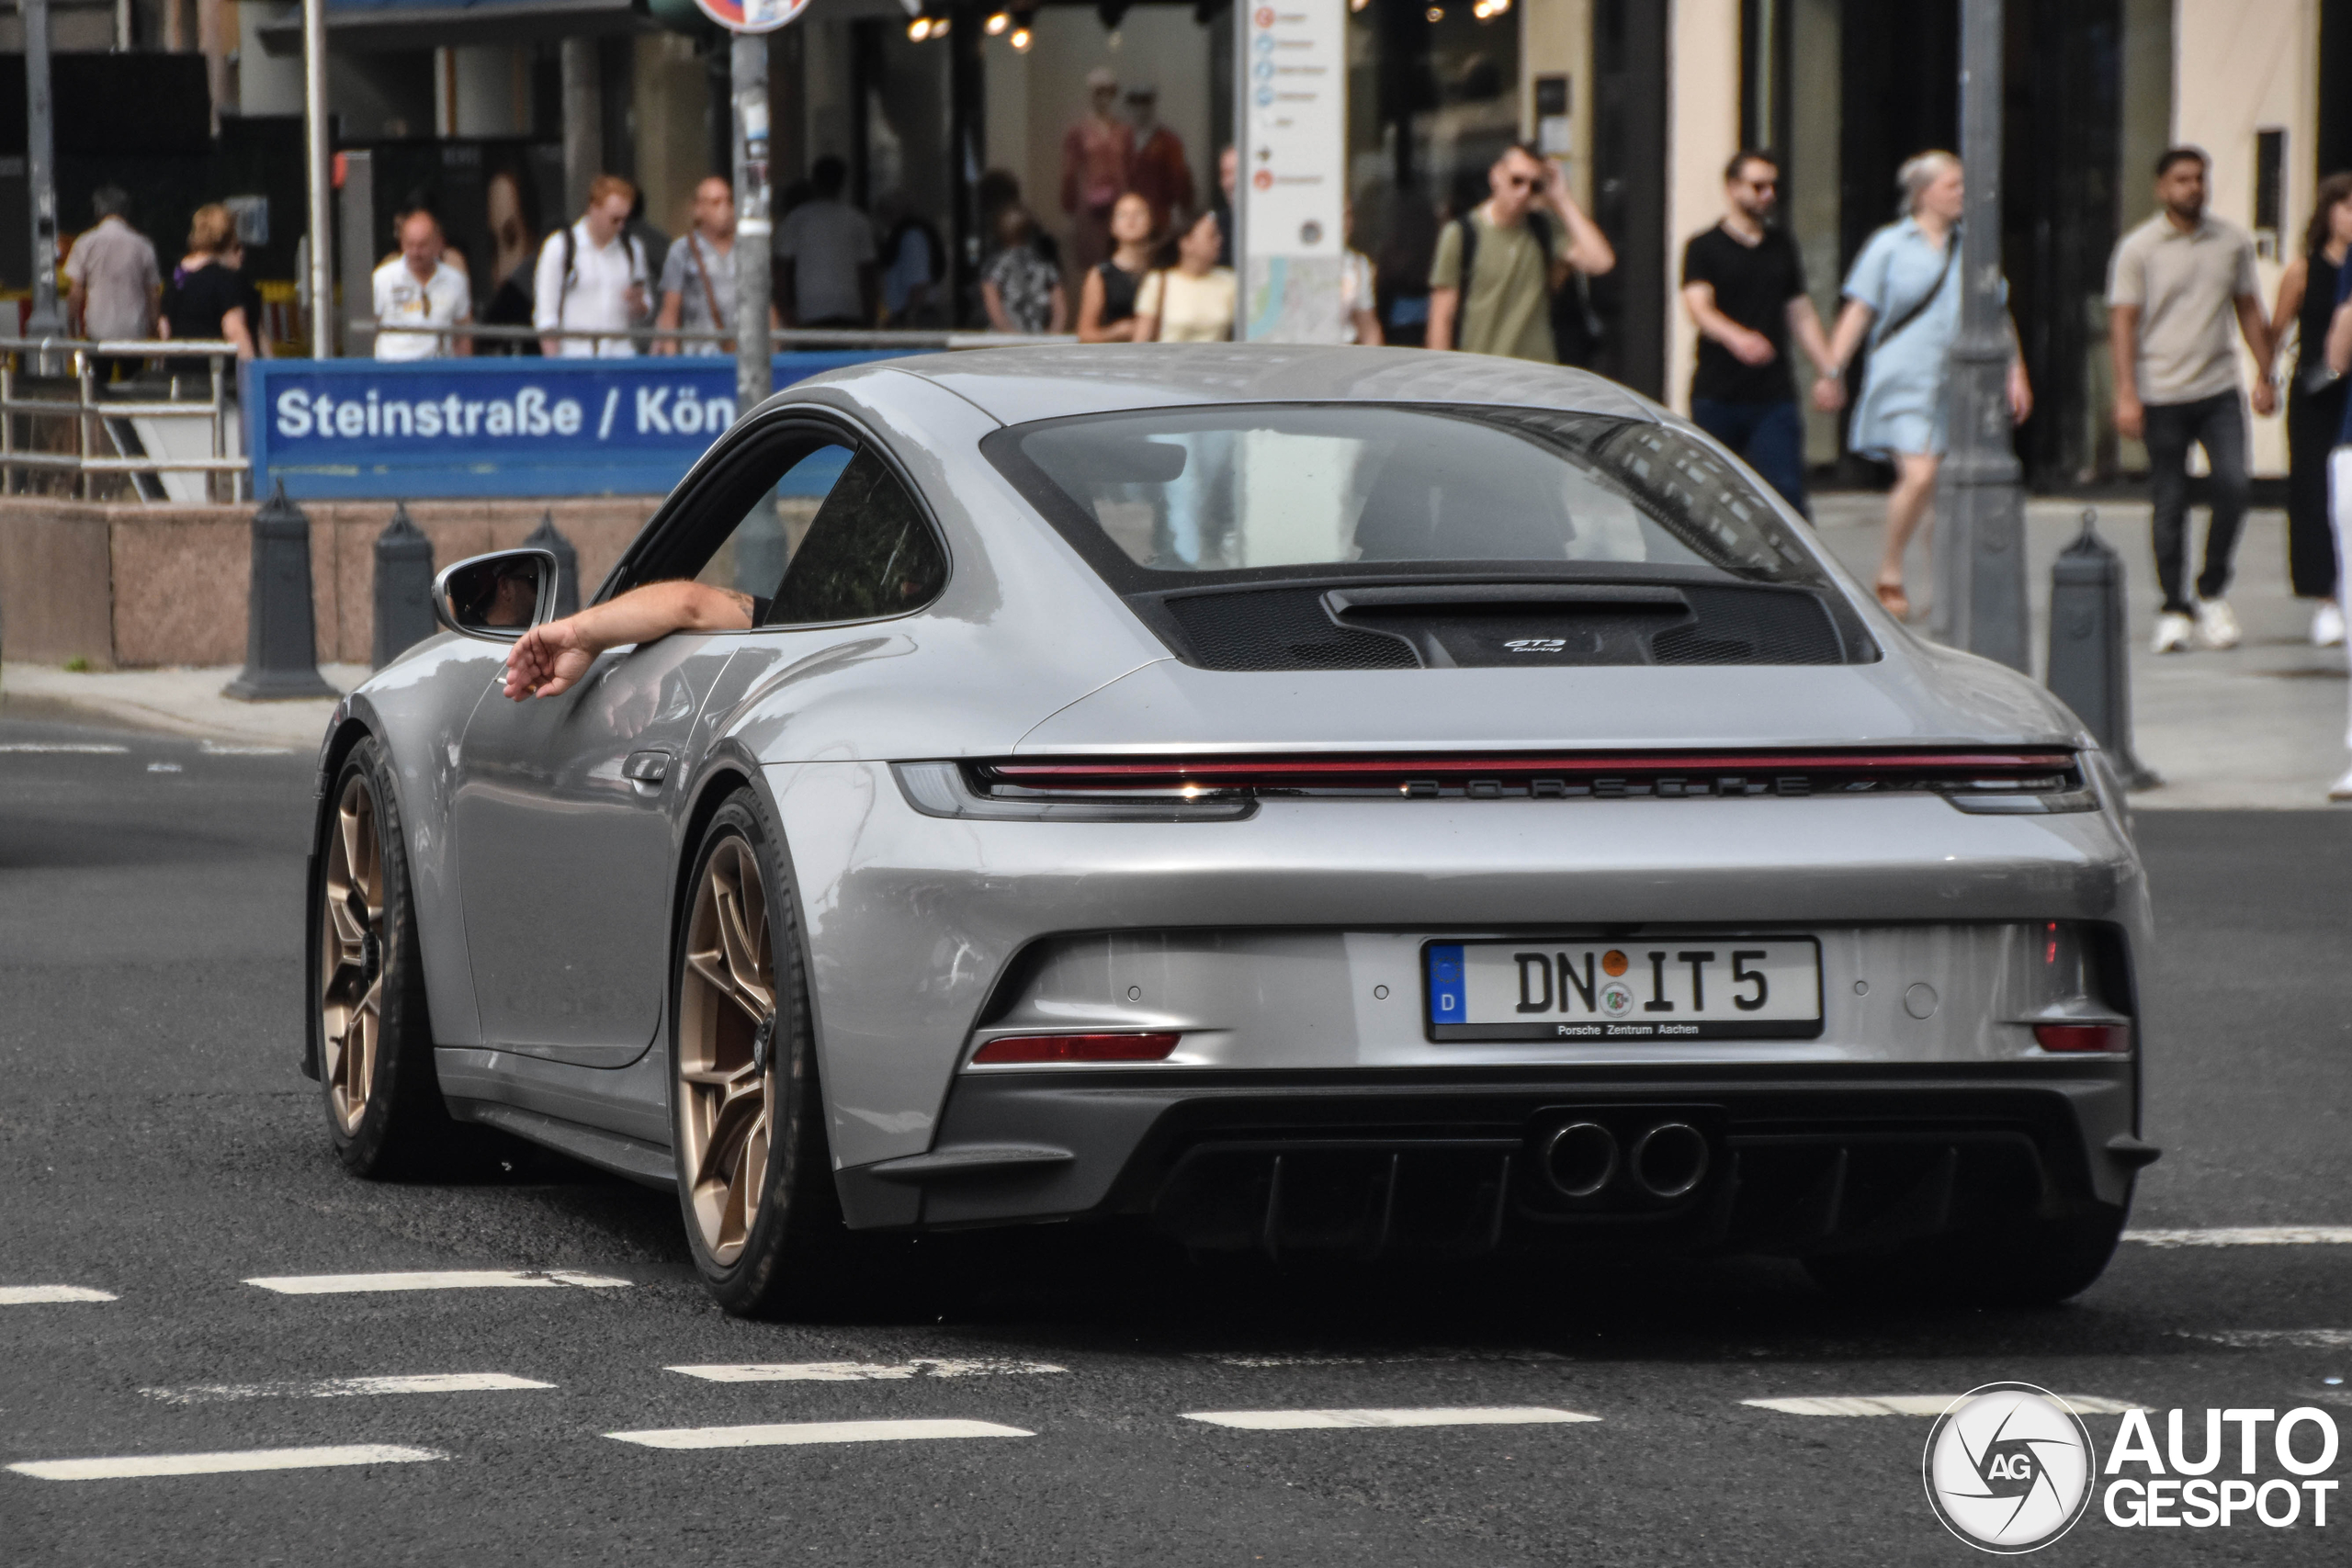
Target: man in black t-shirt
{"points": [[1744, 285]]}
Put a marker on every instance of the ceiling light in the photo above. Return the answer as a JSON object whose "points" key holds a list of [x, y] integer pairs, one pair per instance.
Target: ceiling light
{"points": [[1020, 39], [998, 23], [1435, 14], [919, 29]]}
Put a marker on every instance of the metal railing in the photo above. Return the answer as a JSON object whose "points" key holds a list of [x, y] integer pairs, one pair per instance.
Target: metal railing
{"points": [[24, 358], [646, 339]]}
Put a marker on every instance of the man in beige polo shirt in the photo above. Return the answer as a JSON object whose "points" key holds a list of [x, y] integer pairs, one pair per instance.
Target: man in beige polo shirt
{"points": [[2175, 282]]}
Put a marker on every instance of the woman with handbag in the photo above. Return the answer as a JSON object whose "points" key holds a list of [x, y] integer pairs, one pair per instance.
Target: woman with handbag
{"points": [[2315, 401], [1903, 292]]}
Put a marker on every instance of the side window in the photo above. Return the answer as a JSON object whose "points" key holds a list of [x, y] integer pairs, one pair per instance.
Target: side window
{"points": [[752, 559], [865, 552]]}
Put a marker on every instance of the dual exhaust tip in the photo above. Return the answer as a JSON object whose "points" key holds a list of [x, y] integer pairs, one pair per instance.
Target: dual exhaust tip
{"points": [[1665, 1162]]}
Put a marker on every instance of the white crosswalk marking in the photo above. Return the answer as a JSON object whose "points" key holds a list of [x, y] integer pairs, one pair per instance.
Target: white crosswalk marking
{"points": [[799, 1432], [861, 1371], [66, 747], [2248, 1236], [2293, 1338], [1457, 1416], [35, 1295], [134, 1465], [1918, 1405], [430, 1280], [341, 1388]]}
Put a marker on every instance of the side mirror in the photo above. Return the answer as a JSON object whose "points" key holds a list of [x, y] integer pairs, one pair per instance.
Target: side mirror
{"points": [[496, 597]]}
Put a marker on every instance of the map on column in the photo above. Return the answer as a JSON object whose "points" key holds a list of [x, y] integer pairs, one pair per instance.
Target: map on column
{"points": [[1294, 95]]}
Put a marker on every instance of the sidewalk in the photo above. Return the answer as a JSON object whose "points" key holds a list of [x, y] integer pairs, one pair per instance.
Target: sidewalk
{"points": [[2261, 725]]}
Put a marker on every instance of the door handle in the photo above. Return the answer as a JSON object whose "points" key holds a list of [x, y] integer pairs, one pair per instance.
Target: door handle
{"points": [[646, 769]]}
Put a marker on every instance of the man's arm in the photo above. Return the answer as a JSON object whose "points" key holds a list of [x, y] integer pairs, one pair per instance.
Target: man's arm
{"points": [[1443, 302], [1590, 252], [548, 660], [547, 294], [673, 305], [2339, 339], [787, 293], [77, 300], [1804, 325], [1747, 347], [2123, 354], [2258, 337]]}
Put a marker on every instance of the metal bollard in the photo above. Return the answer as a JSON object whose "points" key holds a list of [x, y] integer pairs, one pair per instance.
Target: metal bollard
{"points": [[567, 562], [2090, 661], [281, 638], [403, 588]]}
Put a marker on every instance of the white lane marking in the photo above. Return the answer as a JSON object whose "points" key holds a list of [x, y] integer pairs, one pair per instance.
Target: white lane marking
{"points": [[165, 768], [66, 747], [2248, 1236], [794, 1433], [430, 1280], [2297, 1338], [220, 748], [219, 1464], [1918, 1405], [860, 1372], [341, 1388], [1408, 1359], [34, 1295], [1458, 1415]]}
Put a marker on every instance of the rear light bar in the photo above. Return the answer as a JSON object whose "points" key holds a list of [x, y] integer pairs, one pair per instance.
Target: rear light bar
{"points": [[1030, 1048], [1961, 775], [2079, 1037]]}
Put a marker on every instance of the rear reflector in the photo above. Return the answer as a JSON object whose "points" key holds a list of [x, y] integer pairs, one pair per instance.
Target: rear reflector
{"points": [[2083, 1036], [1077, 1048]]}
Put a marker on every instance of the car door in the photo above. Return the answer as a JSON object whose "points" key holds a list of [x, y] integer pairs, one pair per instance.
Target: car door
{"points": [[566, 820]]}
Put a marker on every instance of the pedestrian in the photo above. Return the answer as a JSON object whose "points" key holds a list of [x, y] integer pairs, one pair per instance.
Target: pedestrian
{"points": [[593, 274], [1021, 290], [1359, 289], [2337, 359], [207, 297], [1096, 151], [1228, 171], [511, 214], [699, 274], [1499, 265], [1903, 293], [1192, 301], [824, 252], [2307, 289], [1402, 265], [1743, 283], [1158, 170], [418, 287], [114, 282], [913, 263], [2174, 282], [1106, 295]]}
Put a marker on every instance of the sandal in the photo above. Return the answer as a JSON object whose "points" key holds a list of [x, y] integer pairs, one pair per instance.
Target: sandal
{"points": [[1898, 602]]}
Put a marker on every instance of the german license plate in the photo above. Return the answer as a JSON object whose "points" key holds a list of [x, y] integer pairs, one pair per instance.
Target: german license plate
{"points": [[1683, 988]]}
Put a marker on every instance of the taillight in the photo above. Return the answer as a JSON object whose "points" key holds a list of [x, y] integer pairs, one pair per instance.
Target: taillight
{"points": [[1012, 1048], [2083, 1036]]}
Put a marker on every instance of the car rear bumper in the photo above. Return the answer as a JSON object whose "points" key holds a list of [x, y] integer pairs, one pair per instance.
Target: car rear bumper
{"points": [[1797, 1161]]}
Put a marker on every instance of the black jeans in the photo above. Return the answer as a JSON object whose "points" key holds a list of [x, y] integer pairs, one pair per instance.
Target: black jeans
{"points": [[2218, 425]]}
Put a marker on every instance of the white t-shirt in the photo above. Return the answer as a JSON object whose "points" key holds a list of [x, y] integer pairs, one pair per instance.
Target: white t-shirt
{"points": [[442, 300], [826, 242], [598, 298]]}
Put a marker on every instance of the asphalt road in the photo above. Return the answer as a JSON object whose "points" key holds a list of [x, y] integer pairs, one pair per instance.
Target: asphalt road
{"points": [[157, 1145]]}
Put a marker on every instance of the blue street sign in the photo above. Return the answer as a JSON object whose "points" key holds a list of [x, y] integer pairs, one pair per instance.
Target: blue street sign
{"points": [[349, 428]]}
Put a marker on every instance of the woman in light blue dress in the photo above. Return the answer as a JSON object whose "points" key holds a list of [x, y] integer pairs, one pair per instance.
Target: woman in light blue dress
{"points": [[1905, 293]]}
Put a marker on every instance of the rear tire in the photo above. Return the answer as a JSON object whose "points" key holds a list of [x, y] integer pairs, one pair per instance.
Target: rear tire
{"points": [[754, 1183], [2031, 1263], [384, 1110]]}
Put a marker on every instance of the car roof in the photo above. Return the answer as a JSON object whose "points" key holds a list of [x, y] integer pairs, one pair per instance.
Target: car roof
{"points": [[1017, 385]]}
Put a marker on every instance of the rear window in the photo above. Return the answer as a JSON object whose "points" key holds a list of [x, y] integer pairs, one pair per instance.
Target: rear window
{"points": [[1305, 490]]}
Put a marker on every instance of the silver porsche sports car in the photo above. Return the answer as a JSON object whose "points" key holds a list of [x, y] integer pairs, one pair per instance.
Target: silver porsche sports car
{"points": [[1327, 803]]}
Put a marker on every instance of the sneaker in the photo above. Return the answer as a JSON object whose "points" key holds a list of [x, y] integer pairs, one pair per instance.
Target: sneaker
{"points": [[2217, 628], [2328, 625], [2342, 788], [2174, 633]]}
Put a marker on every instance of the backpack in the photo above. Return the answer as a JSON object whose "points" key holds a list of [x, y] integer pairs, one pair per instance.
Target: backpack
{"points": [[1576, 332]]}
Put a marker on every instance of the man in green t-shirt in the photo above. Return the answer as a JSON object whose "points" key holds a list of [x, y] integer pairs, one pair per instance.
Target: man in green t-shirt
{"points": [[1526, 239]]}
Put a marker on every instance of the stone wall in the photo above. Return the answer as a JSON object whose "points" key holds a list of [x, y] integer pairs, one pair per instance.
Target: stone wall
{"points": [[125, 585]]}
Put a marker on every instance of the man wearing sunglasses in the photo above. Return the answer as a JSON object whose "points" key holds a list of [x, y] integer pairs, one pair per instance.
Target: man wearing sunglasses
{"points": [[1499, 265], [1743, 283]]}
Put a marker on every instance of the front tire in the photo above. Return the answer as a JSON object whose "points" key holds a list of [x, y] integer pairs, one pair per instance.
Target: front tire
{"points": [[747, 1119], [384, 1110]]}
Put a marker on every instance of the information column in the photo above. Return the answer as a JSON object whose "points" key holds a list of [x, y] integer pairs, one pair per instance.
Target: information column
{"points": [[1293, 104]]}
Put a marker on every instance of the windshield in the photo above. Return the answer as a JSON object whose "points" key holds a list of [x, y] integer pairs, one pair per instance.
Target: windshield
{"points": [[1240, 489]]}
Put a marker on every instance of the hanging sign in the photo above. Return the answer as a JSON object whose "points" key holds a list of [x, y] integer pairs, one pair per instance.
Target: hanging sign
{"points": [[1293, 113], [753, 16]]}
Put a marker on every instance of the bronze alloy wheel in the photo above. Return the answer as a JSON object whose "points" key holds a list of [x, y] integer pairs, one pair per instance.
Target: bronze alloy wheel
{"points": [[355, 955], [727, 1039]]}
